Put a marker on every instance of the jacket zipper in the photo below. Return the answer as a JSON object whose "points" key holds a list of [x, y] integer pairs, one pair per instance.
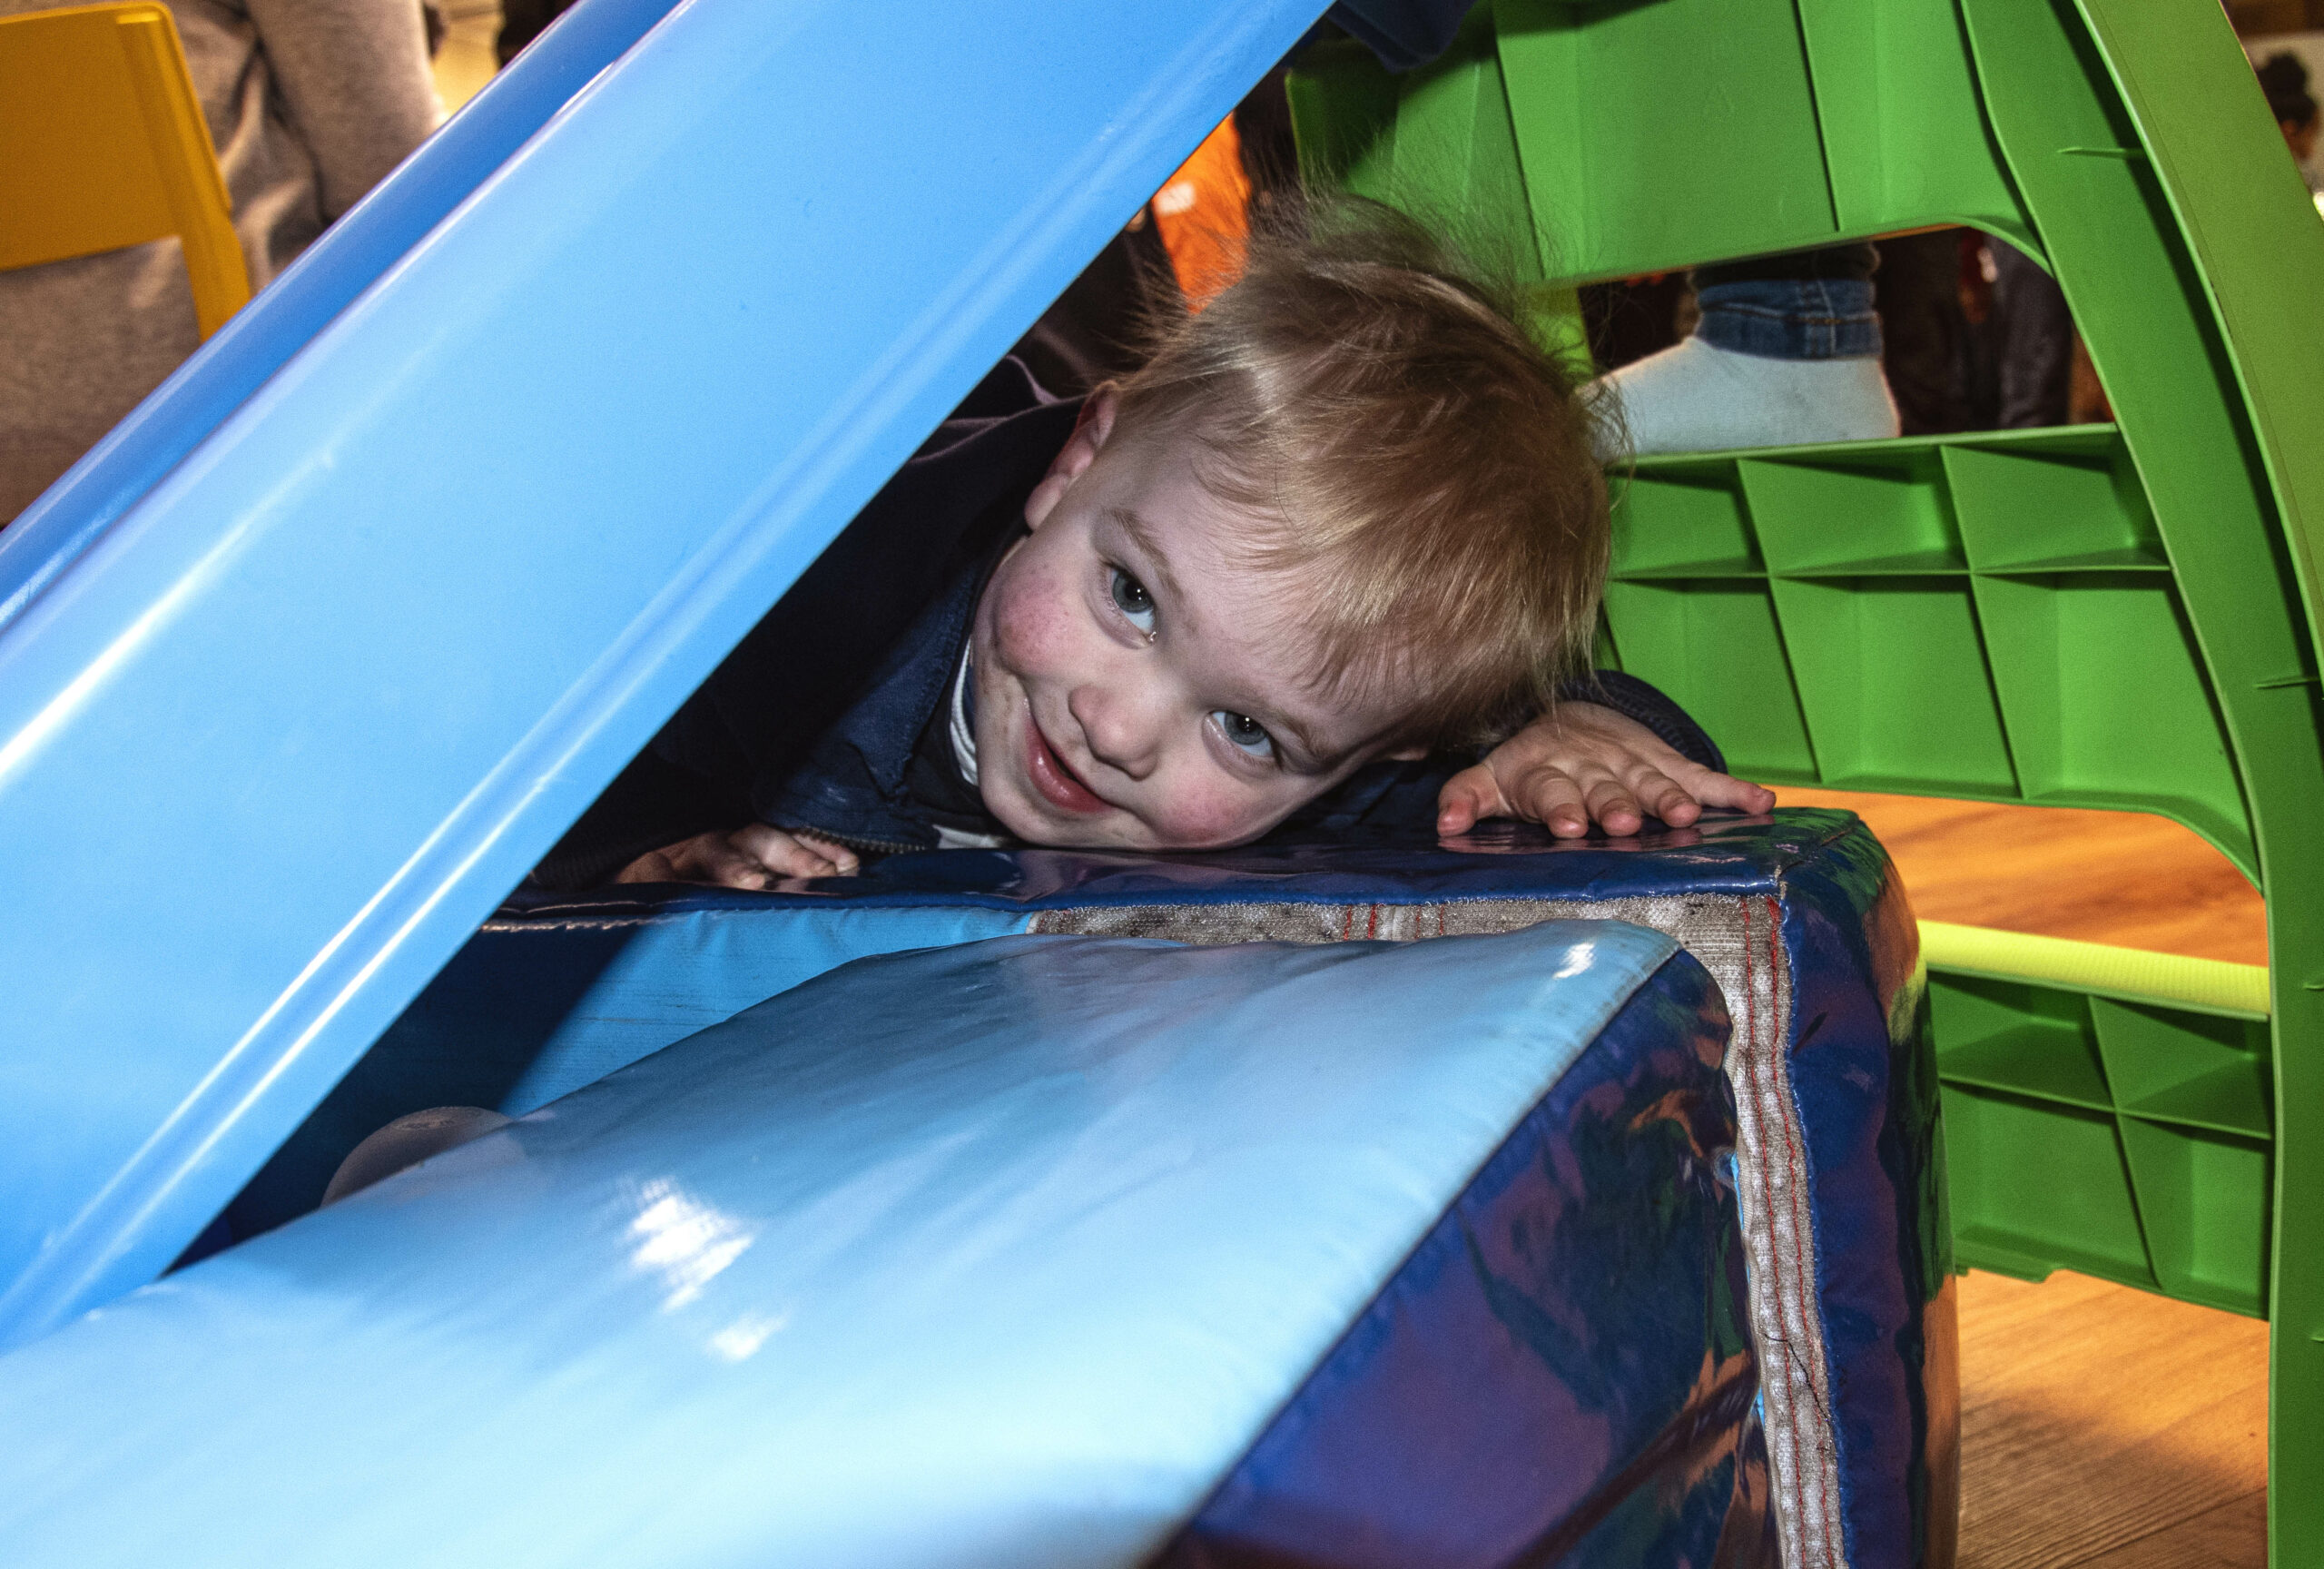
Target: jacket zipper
{"points": [[863, 845]]}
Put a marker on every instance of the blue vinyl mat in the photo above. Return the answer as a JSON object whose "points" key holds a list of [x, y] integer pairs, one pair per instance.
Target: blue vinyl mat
{"points": [[1040, 1250], [1798, 916]]}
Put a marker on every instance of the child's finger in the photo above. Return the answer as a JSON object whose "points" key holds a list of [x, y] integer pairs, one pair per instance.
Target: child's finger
{"points": [[695, 860], [777, 854], [1612, 806], [1552, 798], [1468, 798], [1725, 790], [736, 860], [654, 866], [756, 855], [1665, 797], [839, 857]]}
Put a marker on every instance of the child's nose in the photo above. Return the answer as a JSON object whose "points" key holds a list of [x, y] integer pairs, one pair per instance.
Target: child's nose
{"points": [[1120, 731]]}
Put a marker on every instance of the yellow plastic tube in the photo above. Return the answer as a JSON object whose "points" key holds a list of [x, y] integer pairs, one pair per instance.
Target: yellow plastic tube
{"points": [[2210, 985]]}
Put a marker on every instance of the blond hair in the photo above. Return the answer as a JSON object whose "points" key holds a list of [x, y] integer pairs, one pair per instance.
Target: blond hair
{"points": [[1432, 468]]}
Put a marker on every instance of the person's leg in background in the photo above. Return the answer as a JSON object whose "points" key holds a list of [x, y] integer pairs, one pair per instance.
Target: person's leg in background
{"points": [[2034, 334], [1919, 295], [1631, 318], [521, 22], [1787, 352]]}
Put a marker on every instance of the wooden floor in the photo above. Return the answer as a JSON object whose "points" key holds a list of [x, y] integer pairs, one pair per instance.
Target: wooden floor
{"points": [[2120, 877], [2111, 1428], [2100, 1428]]}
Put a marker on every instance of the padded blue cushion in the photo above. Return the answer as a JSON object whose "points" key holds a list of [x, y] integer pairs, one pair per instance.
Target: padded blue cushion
{"points": [[1562, 1371], [555, 992], [560, 991], [1005, 1252]]}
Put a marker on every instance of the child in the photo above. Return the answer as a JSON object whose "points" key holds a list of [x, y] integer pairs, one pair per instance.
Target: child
{"points": [[1342, 534]]}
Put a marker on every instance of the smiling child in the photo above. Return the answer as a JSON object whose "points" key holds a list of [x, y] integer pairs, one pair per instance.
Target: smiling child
{"points": [[1337, 548]]}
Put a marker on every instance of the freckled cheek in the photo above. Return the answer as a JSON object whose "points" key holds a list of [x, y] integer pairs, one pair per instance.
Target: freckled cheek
{"points": [[1208, 809], [1037, 620]]}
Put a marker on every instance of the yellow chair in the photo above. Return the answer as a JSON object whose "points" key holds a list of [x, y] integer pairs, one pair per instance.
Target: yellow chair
{"points": [[102, 145]]}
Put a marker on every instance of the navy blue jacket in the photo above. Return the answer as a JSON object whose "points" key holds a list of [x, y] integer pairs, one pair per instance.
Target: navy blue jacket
{"points": [[830, 714]]}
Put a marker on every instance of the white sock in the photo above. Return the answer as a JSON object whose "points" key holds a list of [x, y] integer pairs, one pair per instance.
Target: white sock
{"points": [[1696, 397]]}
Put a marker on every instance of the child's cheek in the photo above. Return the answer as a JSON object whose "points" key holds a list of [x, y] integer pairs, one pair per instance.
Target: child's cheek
{"points": [[1211, 810], [1034, 618]]}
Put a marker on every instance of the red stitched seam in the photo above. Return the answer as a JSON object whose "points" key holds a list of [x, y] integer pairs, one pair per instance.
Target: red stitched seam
{"points": [[1775, 1265], [1371, 924]]}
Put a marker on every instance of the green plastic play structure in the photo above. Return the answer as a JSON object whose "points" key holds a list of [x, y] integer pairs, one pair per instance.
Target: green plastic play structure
{"points": [[2116, 615]]}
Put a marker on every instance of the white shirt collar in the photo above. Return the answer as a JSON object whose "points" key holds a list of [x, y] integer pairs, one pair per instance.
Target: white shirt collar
{"points": [[964, 735]]}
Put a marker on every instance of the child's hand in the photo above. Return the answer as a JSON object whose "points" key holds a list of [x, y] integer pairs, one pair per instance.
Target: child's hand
{"points": [[752, 857], [1587, 763]]}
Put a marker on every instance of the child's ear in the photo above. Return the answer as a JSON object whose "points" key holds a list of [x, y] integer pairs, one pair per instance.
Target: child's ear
{"points": [[1090, 433]]}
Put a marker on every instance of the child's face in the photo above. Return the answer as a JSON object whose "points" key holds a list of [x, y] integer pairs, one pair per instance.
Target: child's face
{"points": [[1135, 685]]}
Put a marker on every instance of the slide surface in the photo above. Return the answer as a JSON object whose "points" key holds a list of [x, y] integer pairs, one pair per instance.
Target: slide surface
{"points": [[275, 737]]}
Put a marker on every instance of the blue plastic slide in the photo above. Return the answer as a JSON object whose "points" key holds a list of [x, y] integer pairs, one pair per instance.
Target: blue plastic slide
{"points": [[304, 667]]}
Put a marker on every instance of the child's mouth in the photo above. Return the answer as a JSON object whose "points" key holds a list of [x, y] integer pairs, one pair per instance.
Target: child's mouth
{"points": [[1052, 778]]}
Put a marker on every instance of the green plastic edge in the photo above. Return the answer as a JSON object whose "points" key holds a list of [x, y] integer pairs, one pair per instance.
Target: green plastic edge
{"points": [[2239, 199], [2259, 256]]}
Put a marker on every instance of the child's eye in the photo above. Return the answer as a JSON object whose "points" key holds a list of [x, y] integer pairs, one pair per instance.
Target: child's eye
{"points": [[1245, 734], [1133, 601]]}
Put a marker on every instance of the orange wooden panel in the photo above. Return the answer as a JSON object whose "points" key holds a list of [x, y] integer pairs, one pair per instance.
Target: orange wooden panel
{"points": [[2120, 877]]}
